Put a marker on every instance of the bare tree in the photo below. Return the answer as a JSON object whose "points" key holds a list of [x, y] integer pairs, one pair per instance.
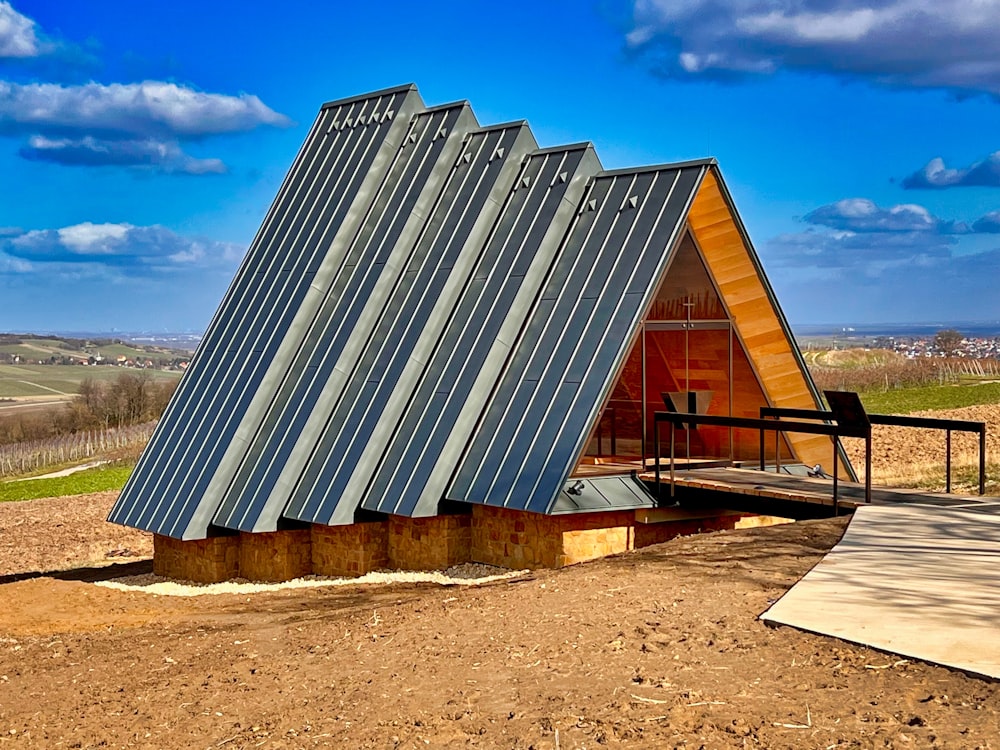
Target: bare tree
{"points": [[948, 341]]}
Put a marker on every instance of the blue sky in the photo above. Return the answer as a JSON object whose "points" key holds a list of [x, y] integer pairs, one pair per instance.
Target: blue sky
{"points": [[141, 144]]}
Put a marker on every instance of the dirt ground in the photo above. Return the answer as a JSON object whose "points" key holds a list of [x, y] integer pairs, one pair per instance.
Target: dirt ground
{"points": [[658, 648], [901, 455]]}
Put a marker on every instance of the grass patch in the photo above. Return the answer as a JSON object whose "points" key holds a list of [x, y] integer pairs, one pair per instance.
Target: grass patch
{"points": [[42, 380], [934, 397], [101, 479], [931, 478]]}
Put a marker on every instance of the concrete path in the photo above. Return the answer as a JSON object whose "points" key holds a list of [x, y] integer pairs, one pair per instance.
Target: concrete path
{"points": [[919, 581]]}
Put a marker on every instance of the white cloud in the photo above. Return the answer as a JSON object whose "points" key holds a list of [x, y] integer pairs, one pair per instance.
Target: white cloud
{"points": [[150, 108], [12, 265], [135, 125], [148, 153], [119, 247], [935, 175], [944, 287], [860, 215], [948, 44], [831, 26], [888, 263], [126, 125], [17, 33], [87, 237], [988, 224], [868, 254]]}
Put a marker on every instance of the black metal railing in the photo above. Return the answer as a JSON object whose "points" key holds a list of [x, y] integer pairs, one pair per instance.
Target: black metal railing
{"points": [[778, 421], [928, 423], [676, 419]]}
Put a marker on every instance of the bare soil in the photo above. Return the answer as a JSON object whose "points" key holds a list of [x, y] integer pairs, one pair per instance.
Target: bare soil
{"points": [[904, 456], [658, 648], [65, 532]]}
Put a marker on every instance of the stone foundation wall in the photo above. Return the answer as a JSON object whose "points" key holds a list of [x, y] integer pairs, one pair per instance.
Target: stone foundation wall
{"points": [[753, 522], [588, 536], [350, 550], [201, 560], [514, 539], [429, 543], [495, 536], [276, 555]]}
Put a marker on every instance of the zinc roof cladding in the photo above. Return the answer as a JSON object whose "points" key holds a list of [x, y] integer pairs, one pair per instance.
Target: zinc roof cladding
{"points": [[341, 160], [383, 377], [410, 476], [602, 494], [416, 270], [532, 432], [289, 427]]}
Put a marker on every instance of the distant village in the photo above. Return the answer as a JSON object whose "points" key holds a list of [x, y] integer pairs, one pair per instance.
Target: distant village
{"points": [[97, 360], [914, 348], [945, 343], [30, 349]]}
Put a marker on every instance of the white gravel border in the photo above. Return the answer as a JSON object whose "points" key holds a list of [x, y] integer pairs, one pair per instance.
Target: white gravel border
{"points": [[459, 575]]}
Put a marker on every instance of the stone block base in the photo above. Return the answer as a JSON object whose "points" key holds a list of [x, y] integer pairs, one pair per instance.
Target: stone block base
{"points": [[276, 556], [200, 560], [515, 539], [350, 550], [495, 536], [429, 543]]}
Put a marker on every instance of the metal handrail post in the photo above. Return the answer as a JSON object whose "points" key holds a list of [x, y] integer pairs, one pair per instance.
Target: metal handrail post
{"points": [[656, 459], [947, 461], [777, 452], [982, 460], [614, 441], [673, 483], [762, 449], [868, 466], [836, 497]]}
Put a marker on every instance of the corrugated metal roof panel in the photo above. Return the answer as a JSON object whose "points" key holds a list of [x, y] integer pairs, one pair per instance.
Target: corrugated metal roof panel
{"points": [[284, 438], [315, 213], [532, 432], [412, 318], [420, 456]]}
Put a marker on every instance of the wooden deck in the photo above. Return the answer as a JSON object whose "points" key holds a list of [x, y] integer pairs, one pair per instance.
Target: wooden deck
{"points": [[749, 487]]}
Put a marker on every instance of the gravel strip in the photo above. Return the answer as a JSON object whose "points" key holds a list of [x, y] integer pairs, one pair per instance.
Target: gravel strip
{"points": [[470, 574]]}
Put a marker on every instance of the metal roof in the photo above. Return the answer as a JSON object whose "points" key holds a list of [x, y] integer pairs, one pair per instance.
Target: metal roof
{"points": [[532, 431], [301, 242], [410, 321], [602, 494], [452, 388], [283, 442], [431, 310]]}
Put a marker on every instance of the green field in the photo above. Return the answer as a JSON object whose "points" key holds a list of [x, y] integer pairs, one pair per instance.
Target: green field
{"points": [[34, 349], [53, 380], [907, 400], [101, 479]]}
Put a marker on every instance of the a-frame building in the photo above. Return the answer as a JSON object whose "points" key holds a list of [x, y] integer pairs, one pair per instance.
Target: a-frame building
{"points": [[447, 344]]}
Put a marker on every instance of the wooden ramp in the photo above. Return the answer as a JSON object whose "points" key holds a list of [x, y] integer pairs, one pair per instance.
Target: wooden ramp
{"points": [[916, 573], [798, 496], [914, 580]]}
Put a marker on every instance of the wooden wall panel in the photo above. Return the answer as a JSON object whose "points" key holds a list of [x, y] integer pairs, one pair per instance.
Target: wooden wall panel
{"points": [[729, 261]]}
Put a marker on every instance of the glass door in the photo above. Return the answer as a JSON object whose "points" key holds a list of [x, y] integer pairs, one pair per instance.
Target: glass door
{"points": [[688, 368]]}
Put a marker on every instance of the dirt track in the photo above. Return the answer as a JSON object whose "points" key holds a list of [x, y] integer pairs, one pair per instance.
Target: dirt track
{"points": [[659, 648]]}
